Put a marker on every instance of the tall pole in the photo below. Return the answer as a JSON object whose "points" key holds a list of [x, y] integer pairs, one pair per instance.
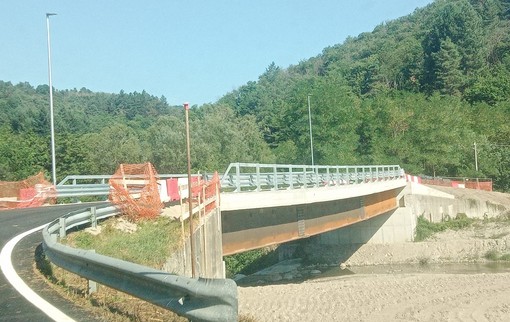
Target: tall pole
{"points": [[190, 201], [476, 158], [310, 120], [52, 126]]}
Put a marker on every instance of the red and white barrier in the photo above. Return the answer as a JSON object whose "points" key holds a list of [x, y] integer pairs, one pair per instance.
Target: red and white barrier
{"points": [[415, 179]]}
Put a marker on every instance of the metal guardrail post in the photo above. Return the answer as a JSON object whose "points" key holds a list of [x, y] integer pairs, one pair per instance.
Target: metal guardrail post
{"points": [[92, 285], [62, 223], [93, 217]]}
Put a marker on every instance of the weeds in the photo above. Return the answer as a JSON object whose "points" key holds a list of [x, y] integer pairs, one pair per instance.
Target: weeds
{"points": [[151, 245], [251, 261], [494, 255], [425, 228], [423, 261]]}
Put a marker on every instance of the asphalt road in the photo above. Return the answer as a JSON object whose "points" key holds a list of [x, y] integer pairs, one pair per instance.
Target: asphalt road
{"points": [[14, 307]]}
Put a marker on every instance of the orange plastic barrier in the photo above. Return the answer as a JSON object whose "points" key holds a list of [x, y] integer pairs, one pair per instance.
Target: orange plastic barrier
{"points": [[135, 191], [31, 192]]}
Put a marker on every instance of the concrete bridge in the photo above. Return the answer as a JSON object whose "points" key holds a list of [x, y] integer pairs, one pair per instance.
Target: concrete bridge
{"points": [[273, 204], [267, 204]]}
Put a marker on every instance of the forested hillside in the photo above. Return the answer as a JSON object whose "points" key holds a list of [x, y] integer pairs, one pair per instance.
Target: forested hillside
{"points": [[95, 132], [418, 91]]}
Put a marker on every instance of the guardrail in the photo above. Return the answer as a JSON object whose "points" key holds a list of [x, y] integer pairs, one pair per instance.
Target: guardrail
{"points": [[258, 177], [94, 185], [196, 299], [253, 177]]}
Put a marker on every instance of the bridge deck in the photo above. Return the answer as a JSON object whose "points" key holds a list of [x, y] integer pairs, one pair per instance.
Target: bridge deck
{"points": [[254, 220]]}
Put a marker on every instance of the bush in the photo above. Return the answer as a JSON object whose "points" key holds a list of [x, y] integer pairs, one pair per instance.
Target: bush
{"points": [[250, 261], [492, 255], [425, 228]]}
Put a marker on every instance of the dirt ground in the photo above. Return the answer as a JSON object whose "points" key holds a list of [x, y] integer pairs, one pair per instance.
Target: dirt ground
{"points": [[397, 296]]}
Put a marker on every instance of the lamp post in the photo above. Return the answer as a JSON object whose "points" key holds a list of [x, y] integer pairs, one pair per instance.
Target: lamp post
{"points": [[310, 120], [52, 127]]}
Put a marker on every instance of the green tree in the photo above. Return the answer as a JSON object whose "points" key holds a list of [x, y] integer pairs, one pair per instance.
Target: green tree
{"points": [[114, 145], [447, 63]]}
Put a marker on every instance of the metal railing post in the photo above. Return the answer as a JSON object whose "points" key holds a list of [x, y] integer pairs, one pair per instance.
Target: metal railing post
{"points": [[257, 171], [275, 179], [291, 178], [62, 230], [93, 217], [238, 178]]}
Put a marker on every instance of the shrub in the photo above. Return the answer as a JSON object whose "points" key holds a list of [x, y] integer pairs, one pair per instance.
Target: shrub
{"points": [[492, 255], [425, 228], [250, 261]]}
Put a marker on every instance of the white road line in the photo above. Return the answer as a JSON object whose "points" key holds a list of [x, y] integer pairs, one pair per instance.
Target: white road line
{"points": [[20, 286]]}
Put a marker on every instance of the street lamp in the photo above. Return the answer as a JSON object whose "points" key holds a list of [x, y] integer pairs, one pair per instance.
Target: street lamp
{"points": [[310, 120], [52, 127]]}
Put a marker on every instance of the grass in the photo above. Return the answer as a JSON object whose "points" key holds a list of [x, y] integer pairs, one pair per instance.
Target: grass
{"points": [[151, 245], [425, 228], [494, 255], [154, 241]]}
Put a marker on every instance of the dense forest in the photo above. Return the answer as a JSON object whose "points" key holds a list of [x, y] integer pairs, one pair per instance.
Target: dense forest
{"points": [[418, 91]]}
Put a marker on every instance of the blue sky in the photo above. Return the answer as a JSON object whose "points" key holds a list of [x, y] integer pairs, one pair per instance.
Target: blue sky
{"points": [[194, 51]]}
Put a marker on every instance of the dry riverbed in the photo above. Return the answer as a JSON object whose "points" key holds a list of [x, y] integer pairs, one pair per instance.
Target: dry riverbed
{"points": [[395, 296]]}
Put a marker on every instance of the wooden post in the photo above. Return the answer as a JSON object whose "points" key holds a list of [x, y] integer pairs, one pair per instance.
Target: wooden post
{"points": [[190, 201]]}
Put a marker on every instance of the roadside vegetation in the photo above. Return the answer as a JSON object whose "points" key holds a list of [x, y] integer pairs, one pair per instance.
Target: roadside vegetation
{"points": [[425, 228], [251, 261], [150, 244]]}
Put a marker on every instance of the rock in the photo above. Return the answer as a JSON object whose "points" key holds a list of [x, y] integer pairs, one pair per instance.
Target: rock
{"points": [[93, 231], [275, 277], [343, 266], [238, 277], [125, 226], [289, 276]]}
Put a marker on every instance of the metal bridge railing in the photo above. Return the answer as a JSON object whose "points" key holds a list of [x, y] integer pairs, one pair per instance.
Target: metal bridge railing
{"points": [[259, 177], [253, 177]]}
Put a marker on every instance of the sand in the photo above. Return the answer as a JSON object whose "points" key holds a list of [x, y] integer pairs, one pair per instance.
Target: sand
{"points": [[397, 296], [384, 297]]}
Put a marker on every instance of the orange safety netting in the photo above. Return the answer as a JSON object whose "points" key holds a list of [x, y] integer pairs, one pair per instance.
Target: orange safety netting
{"points": [[204, 191], [134, 188], [31, 192]]}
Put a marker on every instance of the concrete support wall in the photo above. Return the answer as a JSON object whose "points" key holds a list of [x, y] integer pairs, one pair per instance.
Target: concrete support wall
{"points": [[436, 205], [392, 227], [208, 249]]}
